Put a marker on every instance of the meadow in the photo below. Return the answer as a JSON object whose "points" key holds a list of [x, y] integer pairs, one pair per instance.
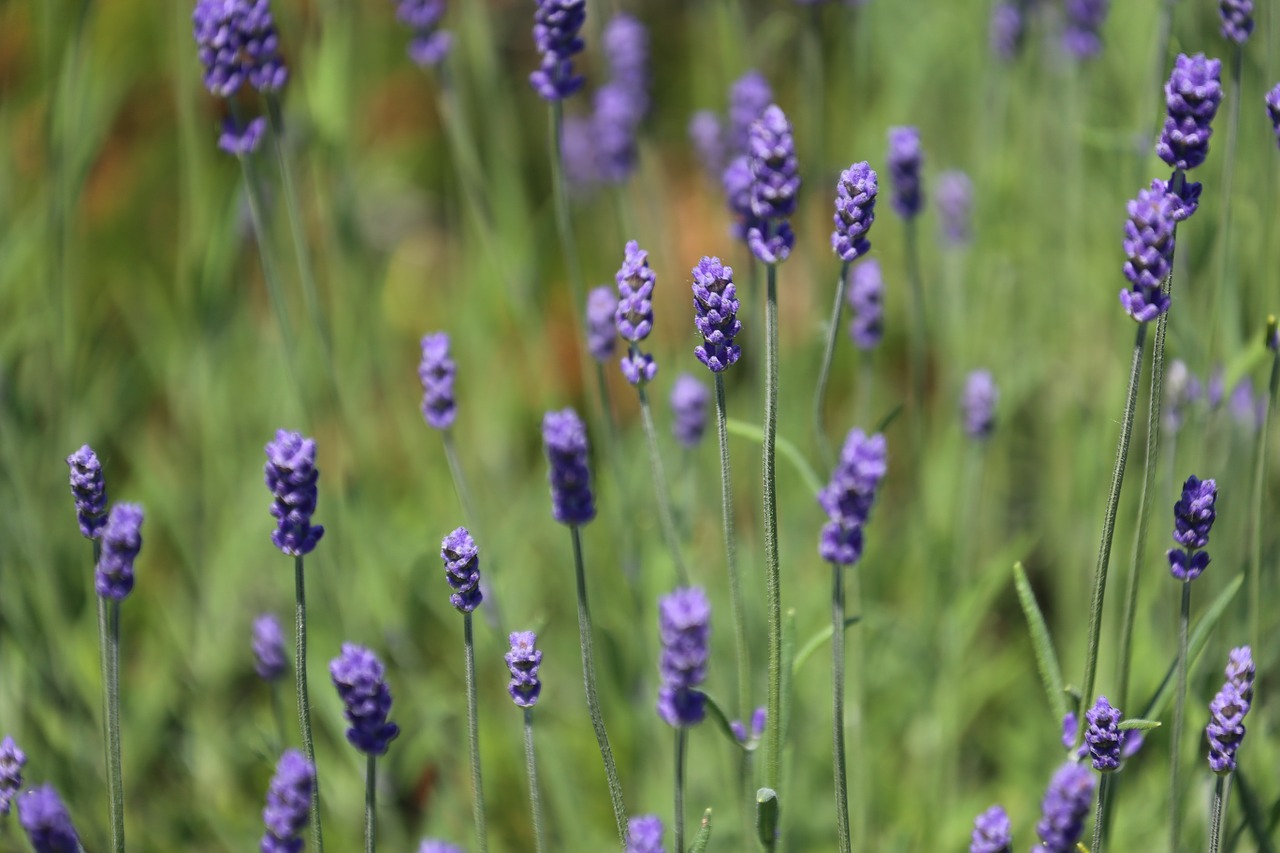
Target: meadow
{"points": [[172, 305]]}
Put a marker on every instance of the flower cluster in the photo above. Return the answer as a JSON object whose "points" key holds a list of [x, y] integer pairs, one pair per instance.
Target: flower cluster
{"points": [[1193, 517], [1006, 30], [565, 439], [268, 647], [462, 569], [848, 498], [775, 180], [866, 302], [621, 104], [855, 211], [12, 760], [523, 661], [1103, 736], [1192, 96], [759, 717], [288, 803], [361, 683], [1081, 36], [291, 476], [1148, 245], [715, 303], [556, 24], [602, 334], [955, 206], [1184, 202], [121, 542], [1064, 809], [436, 371], [1237, 19], [979, 404], [430, 44], [905, 159], [89, 490], [237, 43], [644, 834], [1228, 709], [45, 820], [992, 832], [684, 627], [634, 315], [689, 402]]}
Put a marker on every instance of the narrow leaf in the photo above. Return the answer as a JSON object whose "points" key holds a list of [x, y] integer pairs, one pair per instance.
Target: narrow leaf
{"points": [[1140, 725], [1046, 657], [889, 418], [704, 834], [742, 429], [815, 642], [722, 721]]}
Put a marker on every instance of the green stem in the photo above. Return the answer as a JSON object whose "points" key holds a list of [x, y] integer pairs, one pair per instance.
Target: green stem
{"points": [[1255, 538], [531, 769], [1179, 702], [681, 737], [1099, 814], [1221, 791], [665, 518], [1109, 525], [837, 707], [589, 684], [731, 559], [918, 342], [773, 583], [109, 643], [370, 803], [304, 701], [473, 738], [824, 371]]}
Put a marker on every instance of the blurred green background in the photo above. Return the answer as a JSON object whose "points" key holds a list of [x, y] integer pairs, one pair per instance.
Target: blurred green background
{"points": [[136, 319]]}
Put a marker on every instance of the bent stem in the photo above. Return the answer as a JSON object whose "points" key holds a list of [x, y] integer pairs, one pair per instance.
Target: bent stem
{"points": [[773, 584], [1109, 526], [837, 706], [473, 738], [1099, 814], [370, 804], [531, 769], [681, 737], [589, 684], [1221, 791], [1179, 701], [824, 372], [109, 645], [660, 487], [304, 701]]}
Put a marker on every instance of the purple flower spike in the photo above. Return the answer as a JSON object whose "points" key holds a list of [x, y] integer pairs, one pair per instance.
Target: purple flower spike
{"points": [[979, 403], [431, 845], [462, 569], [430, 44], [268, 647], [955, 206], [684, 627], [626, 46], [1064, 809], [1193, 517], [1103, 736], [565, 439], [437, 371], [1184, 204], [689, 402], [288, 803], [46, 822], [855, 211], [291, 476], [644, 835], [905, 158], [121, 542], [602, 334], [1081, 37], [1227, 711], [1006, 31], [241, 141], [358, 675], [12, 760], [775, 180], [634, 315], [523, 661], [556, 24], [992, 832], [1273, 110], [848, 498], [1237, 19], [237, 43], [736, 180], [1192, 95], [89, 490], [866, 302], [707, 137], [748, 97], [715, 305], [616, 116], [1148, 243]]}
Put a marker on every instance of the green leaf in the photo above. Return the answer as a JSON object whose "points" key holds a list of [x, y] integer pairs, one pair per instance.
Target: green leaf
{"points": [[704, 834], [1046, 657], [742, 429], [815, 642], [722, 721], [767, 817], [1140, 725]]}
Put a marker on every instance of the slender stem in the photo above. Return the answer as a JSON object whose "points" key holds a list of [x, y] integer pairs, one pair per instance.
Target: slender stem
{"points": [[109, 642], [473, 738], [837, 707], [681, 737], [918, 342], [370, 803], [773, 584], [531, 768], [858, 699], [589, 683], [665, 518], [1221, 792], [1099, 813], [824, 372], [731, 559], [304, 701], [1109, 525], [1255, 538], [1179, 702]]}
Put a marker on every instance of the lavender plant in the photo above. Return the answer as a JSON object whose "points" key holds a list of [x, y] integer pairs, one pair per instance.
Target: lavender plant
{"points": [[12, 760], [361, 683], [1064, 809], [866, 326], [45, 820], [288, 800], [1082, 34], [644, 835], [523, 661], [1006, 30], [979, 404], [954, 198], [906, 159], [1226, 730], [689, 401], [992, 832], [270, 661], [684, 627], [430, 44], [1104, 741]]}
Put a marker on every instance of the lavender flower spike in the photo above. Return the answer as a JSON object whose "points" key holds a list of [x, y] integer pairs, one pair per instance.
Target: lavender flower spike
{"points": [[1064, 809], [89, 490], [1103, 736], [775, 180], [1193, 517], [626, 46], [866, 303], [437, 371], [1081, 37], [992, 832], [1237, 19], [644, 835], [684, 627], [707, 137], [121, 542], [288, 803], [291, 476], [46, 822], [848, 498], [431, 845], [855, 211], [1192, 96], [1148, 244], [268, 647], [565, 439], [689, 402], [237, 43], [556, 24], [634, 316], [12, 760], [602, 335], [715, 305], [1273, 110], [523, 661], [462, 569], [905, 159], [979, 403], [361, 683], [748, 97], [1227, 712], [955, 206], [430, 44], [1006, 30]]}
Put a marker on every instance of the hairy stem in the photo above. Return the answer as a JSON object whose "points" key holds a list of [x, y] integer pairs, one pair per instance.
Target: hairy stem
{"points": [[824, 371], [681, 739], [304, 701], [731, 559], [109, 643], [1179, 703], [370, 803], [773, 583], [1221, 791], [837, 707], [1100, 813], [473, 738], [531, 769]]}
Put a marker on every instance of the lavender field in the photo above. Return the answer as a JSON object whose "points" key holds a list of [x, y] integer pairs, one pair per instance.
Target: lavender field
{"points": [[582, 425]]}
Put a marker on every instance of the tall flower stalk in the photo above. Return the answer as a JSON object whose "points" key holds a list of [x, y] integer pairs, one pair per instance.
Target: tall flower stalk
{"points": [[1104, 740], [361, 683], [523, 661], [684, 628], [1225, 732], [288, 800], [906, 159]]}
